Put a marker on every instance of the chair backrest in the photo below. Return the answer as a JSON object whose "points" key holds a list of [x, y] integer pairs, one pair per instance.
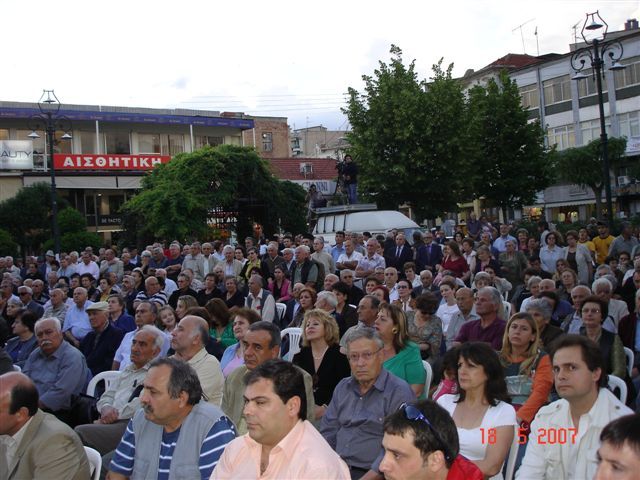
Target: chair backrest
{"points": [[617, 382], [628, 353], [507, 310], [281, 310], [294, 341], [427, 382], [95, 462], [16, 368], [513, 455], [107, 377]]}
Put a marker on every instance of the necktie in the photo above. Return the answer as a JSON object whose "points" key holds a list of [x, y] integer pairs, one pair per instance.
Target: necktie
{"points": [[398, 252]]}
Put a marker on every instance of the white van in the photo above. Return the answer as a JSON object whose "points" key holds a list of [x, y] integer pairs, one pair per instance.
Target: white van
{"points": [[362, 217]]}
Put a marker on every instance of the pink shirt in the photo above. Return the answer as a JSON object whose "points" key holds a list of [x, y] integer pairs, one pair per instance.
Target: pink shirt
{"points": [[302, 454]]}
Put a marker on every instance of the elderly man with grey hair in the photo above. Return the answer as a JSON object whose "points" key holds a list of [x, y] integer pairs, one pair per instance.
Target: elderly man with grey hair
{"points": [[352, 423], [122, 397], [603, 288], [540, 309], [327, 301], [306, 271], [489, 328], [321, 256]]}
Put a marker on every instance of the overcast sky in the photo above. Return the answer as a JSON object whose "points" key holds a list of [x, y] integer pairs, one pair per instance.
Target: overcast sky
{"points": [[281, 58]]}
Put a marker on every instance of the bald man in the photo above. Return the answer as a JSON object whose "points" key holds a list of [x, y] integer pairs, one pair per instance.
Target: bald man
{"points": [[36, 444]]}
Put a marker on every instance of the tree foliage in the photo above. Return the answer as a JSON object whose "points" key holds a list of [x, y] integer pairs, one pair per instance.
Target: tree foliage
{"points": [[74, 234], [406, 137], [7, 245], [178, 198], [27, 215], [510, 163], [583, 165]]}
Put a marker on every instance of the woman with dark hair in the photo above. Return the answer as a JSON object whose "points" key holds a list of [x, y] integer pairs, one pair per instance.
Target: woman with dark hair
{"points": [[381, 292], [346, 316], [20, 347], [594, 311], [307, 300], [578, 257], [104, 290], [239, 254], [523, 240], [320, 357], [242, 318], [371, 283], [482, 409], [449, 307], [454, 262], [252, 264], [425, 327], [138, 279], [280, 285], [551, 252], [233, 296], [484, 259], [118, 316], [220, 326], [401, 355]]}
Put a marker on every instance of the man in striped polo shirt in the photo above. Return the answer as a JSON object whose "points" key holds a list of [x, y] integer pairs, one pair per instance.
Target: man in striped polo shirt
{"points": [[174, 431]]}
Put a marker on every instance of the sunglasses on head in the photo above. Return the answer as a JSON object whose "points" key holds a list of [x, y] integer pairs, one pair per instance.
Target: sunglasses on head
{"points": [[412, 413]]}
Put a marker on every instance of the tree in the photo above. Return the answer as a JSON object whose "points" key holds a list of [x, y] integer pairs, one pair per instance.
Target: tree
{"points": [[178, 198], [406, 137], [27, 215], [510, 162], [75, 236], [7, 246], [583, 165]]}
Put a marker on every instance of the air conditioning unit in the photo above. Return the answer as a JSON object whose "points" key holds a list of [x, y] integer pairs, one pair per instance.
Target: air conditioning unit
{"points": [[624, 180], [306, 168]]}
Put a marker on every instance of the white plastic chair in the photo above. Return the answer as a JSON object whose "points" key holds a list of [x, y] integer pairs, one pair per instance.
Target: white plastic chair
{"points": [[513, 455], [281, 310], [108, 377], [16, 368], [617, 382], [507, 310], [628, 353], [95, 462], [294, 341], [427, 382]]}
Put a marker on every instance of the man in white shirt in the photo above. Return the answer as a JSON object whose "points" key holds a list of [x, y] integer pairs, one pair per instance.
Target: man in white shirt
{"points": [[350, 258], [260, 300], [576, 420]]}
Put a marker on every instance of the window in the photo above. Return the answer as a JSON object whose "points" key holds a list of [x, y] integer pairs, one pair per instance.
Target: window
{"points": [[587, 86], [88, 142], [530, 97], [115, 202], [4, 134], [172, 144], [202, 140], [61, 145], [148, 143], [117, 142], [591, 130], [267, 142], [630, 75], [629, 124], [557, 90], [563, 137]]}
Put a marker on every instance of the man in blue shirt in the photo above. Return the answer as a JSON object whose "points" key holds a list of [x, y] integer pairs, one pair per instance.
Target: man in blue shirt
{"points": [[76, 321], [174, 431]]}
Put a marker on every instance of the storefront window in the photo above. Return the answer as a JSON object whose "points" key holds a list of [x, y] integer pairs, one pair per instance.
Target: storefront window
{"points": [[117, 142], [148, 143]]}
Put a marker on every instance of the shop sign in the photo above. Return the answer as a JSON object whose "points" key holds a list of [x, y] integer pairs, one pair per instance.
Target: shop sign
{"points": [[63, 161], [16, 155]]}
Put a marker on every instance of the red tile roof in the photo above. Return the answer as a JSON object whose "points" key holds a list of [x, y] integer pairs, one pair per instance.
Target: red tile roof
{"points": [[289, 168], [514, 60]]}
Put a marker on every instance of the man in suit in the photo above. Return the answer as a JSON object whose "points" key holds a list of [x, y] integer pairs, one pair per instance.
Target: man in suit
{"points": [[111, 263], [35, 444], [293, 304], [231, 266], [429, 255], [400, 254]]}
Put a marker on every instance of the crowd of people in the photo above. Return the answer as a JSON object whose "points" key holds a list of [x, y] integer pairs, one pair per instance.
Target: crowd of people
{"points": [[439, 358]]}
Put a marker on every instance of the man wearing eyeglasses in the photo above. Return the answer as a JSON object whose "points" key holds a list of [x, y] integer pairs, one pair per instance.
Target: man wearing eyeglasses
{"points": [[353, 421], [421, 443], [26, 297]]}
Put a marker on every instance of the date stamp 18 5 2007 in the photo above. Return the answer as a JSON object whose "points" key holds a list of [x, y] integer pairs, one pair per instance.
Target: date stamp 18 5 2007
{"points": [[544, 436]]}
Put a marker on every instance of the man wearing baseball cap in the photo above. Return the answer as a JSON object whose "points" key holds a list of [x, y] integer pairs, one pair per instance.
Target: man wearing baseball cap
{"points": [[100, 345]]}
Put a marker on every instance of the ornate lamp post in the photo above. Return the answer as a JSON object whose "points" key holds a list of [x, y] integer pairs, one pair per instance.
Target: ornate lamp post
{"points": [[50, 121], [596, 52]]}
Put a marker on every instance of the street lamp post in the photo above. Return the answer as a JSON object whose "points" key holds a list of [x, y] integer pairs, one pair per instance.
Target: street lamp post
{"points": [[49, 120], [596, 52]]}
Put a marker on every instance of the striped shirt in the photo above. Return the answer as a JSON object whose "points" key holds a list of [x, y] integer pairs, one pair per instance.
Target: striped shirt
{"points": [[159, 298], [221, 433]]}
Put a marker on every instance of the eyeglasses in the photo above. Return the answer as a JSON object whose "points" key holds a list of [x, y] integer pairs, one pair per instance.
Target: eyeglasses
{"points": [[354, 357], [590, 310], [413, 414]]}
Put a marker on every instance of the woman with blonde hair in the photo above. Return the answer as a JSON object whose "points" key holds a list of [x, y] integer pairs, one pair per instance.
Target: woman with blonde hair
{"points": [[401, 355], [527, 367], [320, 356], [185, 302]]}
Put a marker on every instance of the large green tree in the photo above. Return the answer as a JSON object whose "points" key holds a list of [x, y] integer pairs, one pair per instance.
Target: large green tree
{"points": [[510, 163], [406, 136], [178, 198], [583, 165]]}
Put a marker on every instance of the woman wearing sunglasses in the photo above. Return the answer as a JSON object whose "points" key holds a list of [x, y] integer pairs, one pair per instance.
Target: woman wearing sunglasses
{"points": [[484, 419]]}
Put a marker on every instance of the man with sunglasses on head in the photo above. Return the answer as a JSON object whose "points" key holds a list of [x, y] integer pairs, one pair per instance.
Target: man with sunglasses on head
{"points": [[352, 424], [421, 443]]}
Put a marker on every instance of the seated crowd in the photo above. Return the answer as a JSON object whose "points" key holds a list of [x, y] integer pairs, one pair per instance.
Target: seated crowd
{"points": [[484, 356]]}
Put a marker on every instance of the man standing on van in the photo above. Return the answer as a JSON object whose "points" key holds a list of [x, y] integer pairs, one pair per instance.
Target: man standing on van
{"points": [[350, 173]]}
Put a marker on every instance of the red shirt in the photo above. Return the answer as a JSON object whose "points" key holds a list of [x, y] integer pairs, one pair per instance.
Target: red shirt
{"points": [[463, 469], [458, 267]]}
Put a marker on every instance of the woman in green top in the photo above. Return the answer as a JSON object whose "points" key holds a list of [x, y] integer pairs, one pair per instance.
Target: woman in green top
{"points": [[220, 326], [401, 356]]}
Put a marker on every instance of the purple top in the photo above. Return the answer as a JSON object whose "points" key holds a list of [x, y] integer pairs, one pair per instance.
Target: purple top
{"points": [[473, 332]]}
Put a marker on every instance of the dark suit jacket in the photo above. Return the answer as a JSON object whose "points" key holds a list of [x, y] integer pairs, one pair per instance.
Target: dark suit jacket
{"points": [[288, 314], [48, 449], [406, 255], [100, 357], [428, 255]]}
